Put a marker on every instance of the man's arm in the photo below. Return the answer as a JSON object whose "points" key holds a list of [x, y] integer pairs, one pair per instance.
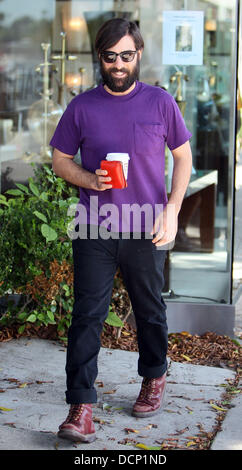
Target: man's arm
{"points": [[166, 224], [64, 166], [181, 174]]}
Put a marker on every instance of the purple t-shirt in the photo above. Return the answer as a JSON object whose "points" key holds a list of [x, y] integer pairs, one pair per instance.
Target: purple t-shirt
{"points": [[139, 123]]}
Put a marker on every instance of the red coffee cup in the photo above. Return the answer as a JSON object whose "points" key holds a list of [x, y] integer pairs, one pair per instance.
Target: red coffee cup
{"points": [[115, 171], [116, 165]]}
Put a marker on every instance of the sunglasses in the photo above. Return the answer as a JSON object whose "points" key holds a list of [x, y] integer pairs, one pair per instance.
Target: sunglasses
{"points": [[110, 57]]}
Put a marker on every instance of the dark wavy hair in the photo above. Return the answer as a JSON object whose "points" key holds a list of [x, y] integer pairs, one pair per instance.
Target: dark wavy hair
{"points": [[113, 30]]}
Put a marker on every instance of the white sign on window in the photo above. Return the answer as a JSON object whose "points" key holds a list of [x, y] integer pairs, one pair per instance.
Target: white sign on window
{"points": [[183, 37]]}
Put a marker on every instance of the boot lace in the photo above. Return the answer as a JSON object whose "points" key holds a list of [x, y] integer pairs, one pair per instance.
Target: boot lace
{"points": [[74, 413], [147, 389]]}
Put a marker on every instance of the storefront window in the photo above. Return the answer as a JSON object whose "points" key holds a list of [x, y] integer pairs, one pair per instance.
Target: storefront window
{"points": [[23, 27], [190, 50]]}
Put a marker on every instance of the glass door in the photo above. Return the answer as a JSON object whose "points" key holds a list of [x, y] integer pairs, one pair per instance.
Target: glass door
{"points": [[190, 50]]}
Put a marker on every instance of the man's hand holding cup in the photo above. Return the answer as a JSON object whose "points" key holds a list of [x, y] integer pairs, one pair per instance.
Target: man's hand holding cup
{"points": [[113, 172], [102, 181]]}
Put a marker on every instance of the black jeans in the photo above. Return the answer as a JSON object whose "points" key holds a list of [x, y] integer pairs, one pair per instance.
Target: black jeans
{"points": [[95, 264]]}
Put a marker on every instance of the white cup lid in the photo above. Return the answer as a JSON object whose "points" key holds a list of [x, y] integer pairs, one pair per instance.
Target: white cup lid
{"points": [[117, 156]]}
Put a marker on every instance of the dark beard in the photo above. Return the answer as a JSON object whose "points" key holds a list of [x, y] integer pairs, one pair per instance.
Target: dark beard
{"points": [[120, 84]]}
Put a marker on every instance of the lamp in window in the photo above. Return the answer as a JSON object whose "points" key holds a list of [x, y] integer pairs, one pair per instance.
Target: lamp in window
{"points": [[75, 26], [210, 25], [74, 81]]}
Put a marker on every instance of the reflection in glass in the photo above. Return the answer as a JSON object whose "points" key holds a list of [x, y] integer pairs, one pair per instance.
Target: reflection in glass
{"points": [[24, 25], [198, 268], [42, 121]]}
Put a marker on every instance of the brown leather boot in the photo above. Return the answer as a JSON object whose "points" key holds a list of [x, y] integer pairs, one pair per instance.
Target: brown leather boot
{"points": [[78, 425], [150, 398]]}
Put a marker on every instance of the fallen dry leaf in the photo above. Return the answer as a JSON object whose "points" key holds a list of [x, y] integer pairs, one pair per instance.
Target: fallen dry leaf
{"points": [[100, 384], [178, 432], [149, 426], [144, 446], [127, 441], [12, 380], [186, 357], [23, 385], [218, 408], [191, 443], [129, 430], [106, 406], [99, 420], [188, 408], [44, 382]]}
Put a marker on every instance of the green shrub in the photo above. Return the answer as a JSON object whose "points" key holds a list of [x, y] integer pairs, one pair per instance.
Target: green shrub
{"points": [[36, 252], [33, 228]]}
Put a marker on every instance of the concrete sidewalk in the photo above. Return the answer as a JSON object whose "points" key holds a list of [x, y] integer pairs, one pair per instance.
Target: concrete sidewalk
{"points": [[32, 386]]}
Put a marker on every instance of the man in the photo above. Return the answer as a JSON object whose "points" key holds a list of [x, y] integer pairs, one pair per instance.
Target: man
{"points": [[120, 115]]}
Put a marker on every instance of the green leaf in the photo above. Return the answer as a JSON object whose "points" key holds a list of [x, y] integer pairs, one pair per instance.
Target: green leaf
{"points": [[62, 203], [34, 189], [47, 169], [40, 216], [41, 316], [14, 192], [113, 319], [4, 202], [234, 340], [50, 179], [21, 329], [66, 289], [22, 187], [44, 196], [22, 316], [73, 200], [50, 315], [48, 232], [31, 318]]}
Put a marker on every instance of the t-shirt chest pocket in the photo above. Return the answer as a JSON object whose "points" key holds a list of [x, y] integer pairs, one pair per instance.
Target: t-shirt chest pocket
{"points": [[148, 137]]}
